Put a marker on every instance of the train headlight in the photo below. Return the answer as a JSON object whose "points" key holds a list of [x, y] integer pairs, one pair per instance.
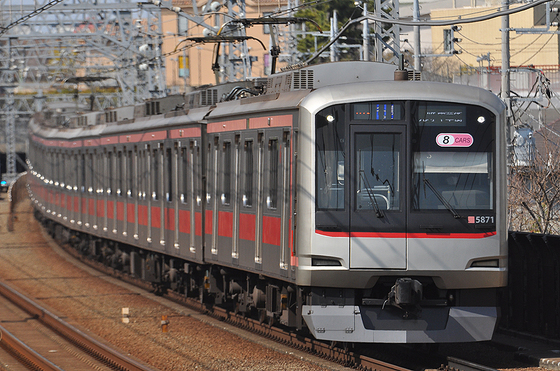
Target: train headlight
{"points": [[481, 119], [325, 262], [330, 118], [490, 263]]}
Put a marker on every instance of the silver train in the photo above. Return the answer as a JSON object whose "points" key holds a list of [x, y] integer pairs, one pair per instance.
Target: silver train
{"points": [[331, 199]]}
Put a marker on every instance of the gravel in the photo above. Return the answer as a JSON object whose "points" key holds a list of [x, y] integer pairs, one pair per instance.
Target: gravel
{"points": [[93, 302]]}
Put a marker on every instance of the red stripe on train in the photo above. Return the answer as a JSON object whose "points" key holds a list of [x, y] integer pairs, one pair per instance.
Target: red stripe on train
{"points": [[271, 230], [405, 235], [184, 221], [225, 224], [247, 226]]}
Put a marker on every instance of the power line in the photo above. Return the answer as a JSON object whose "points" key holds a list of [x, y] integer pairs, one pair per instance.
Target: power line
{"points": [[3, 30], [456, 21]]}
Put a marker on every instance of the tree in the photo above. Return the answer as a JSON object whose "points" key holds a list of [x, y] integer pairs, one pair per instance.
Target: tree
{"points": [[534, 187], [322, 13]]}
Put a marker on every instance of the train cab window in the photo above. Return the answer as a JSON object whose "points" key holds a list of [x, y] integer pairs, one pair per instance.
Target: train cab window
{"points": [[248, 181], [226, 174], [330, 159], [452, 157], [274, 159]]}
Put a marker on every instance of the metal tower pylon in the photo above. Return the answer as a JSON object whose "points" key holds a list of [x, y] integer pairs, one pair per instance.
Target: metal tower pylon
{"points": [[387, 36], [108, 44], [236, 60]]}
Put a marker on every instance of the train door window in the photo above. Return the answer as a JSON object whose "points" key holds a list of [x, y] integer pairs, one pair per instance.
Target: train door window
{"points": [[140, 177], [184, 175], [248, 181], [273, 166], [226, 173], [156, 176], [169, 175], [91, 172], [120, 174], [377, 171], [57, 169], [74, 171], [62, 169], [129, 175], [99, 173], [111, 172], [82, 173]]}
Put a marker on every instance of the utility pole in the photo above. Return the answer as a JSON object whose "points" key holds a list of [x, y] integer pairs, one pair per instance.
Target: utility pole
{"points": [[365, 33], [417, 51], [334, 32], [506, 94]]}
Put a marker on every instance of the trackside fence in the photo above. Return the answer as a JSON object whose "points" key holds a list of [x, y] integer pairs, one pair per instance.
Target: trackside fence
{"points": [[531, 301]]}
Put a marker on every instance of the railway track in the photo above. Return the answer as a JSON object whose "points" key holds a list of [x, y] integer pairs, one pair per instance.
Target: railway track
{"points": [[331, 352], [40, 340]]}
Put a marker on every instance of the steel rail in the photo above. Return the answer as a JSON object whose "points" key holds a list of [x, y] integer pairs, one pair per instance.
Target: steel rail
{"points": [[23, 353], [81, 340]]}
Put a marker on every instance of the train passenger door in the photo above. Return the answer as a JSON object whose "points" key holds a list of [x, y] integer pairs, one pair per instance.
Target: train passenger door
{"points": [[377, 189]]}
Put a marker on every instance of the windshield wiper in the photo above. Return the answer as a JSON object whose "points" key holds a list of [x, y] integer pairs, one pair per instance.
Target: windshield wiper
{"points": [[441, 199], [371, 196]]}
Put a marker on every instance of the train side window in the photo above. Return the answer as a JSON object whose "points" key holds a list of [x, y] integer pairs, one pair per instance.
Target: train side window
{"points": [[168, 175], [129, 175], [91, 172], [143, 177], [99, 172], [274, 159], [120, 174], [82, 172], [184, 175], [226, 174], [248, 184], [155, 175], [62, 169], [110, 172], [140, 174]]}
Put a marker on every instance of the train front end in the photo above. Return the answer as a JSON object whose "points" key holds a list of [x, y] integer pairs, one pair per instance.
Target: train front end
{"points": [[401, 224]]}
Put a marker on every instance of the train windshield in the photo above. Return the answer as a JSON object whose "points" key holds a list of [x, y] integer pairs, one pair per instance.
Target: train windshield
{"points": [[404, 166], [452, 157]]}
